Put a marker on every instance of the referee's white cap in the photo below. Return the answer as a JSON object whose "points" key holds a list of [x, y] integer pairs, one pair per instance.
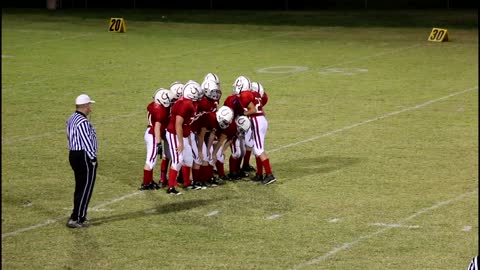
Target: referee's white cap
{"points": [[83, 99]]}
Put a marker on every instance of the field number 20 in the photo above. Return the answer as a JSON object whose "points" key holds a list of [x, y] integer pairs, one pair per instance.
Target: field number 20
{"points": [[117, 25]]}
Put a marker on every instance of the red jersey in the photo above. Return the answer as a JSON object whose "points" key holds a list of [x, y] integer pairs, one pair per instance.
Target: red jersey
{"points": [[207, 120], [185, 108], [264, 99], [233, 103], [207, 105], [157, 113], [230, 131], [249, 96]]}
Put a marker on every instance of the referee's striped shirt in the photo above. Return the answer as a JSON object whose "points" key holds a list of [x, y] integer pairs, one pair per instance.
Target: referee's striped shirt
{"points": [[473, 264], [81, 135]]}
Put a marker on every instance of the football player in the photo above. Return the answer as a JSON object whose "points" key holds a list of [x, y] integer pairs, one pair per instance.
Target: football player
{"points": [[208, 123], [251, 102], [157, 116], [178, 132], [227, 137]]}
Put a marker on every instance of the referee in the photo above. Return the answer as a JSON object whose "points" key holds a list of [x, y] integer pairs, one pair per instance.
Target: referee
{"points": [[82, 143]]}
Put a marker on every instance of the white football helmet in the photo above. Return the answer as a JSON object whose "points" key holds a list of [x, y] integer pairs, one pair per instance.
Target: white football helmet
{"points": [[213, 77], [176, 90], [154, 94], [243, 123], [192, 91], [258, 87], [241, 83], [211, 89], [162, 96], [224, 116]]}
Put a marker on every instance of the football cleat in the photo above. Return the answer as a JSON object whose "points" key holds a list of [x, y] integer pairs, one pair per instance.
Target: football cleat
{"points": [[257, 178], [144, 187], [173, 191], [192, 187], [269, 178], [75, 224], [248, 168]]}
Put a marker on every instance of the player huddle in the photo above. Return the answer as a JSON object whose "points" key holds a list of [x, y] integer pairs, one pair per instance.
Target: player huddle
{"points": [[191, 134]]}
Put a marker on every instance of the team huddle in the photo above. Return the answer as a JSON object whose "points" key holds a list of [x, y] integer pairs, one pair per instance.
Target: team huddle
{"points": [[191, 134]]}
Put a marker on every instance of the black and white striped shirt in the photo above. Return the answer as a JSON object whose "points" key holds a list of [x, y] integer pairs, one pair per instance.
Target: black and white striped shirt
{"points": [[81, 135], [473, 264]]}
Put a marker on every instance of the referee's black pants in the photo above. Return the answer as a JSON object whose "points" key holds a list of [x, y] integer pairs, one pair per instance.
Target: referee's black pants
{"points": [[85, 170]]}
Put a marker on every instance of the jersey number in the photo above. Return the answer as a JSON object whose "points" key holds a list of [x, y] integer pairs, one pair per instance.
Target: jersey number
{"points": [[258, 106]]}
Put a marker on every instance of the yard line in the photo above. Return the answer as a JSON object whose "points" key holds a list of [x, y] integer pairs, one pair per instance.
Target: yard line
{"points": [[51, 221], [348, 245], [395, 225], [374, 119], [283, 147]]}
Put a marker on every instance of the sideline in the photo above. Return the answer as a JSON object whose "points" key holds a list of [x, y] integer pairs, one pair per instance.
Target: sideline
{"points": [[344, 246]]}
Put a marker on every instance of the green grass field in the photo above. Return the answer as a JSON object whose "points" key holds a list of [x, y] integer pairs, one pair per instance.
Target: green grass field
{"points": [[373, 137]]}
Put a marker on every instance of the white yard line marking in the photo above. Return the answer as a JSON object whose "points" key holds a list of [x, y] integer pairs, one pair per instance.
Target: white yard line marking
{"points": [[374, 119], [283, 147], [273, 216], [395, 225], [50, 221], [348, 245], [92, 210], [213, 213], [467, 228]]}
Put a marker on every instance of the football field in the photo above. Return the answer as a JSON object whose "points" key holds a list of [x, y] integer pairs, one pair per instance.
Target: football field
{"points": [[373, 139]]}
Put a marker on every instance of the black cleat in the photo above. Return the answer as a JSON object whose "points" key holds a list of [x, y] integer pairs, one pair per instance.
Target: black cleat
{"points": [[257, 178], [75, 224], [224, 178], [233, 176], [145, 187], [269, 178], [213, 182], [201, 185], [248, 168], [242, 174], [153, 186], [173, 191], [192, 187]]}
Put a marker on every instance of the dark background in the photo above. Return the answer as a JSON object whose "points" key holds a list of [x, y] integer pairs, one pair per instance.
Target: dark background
{"points": [[248, 4]]}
